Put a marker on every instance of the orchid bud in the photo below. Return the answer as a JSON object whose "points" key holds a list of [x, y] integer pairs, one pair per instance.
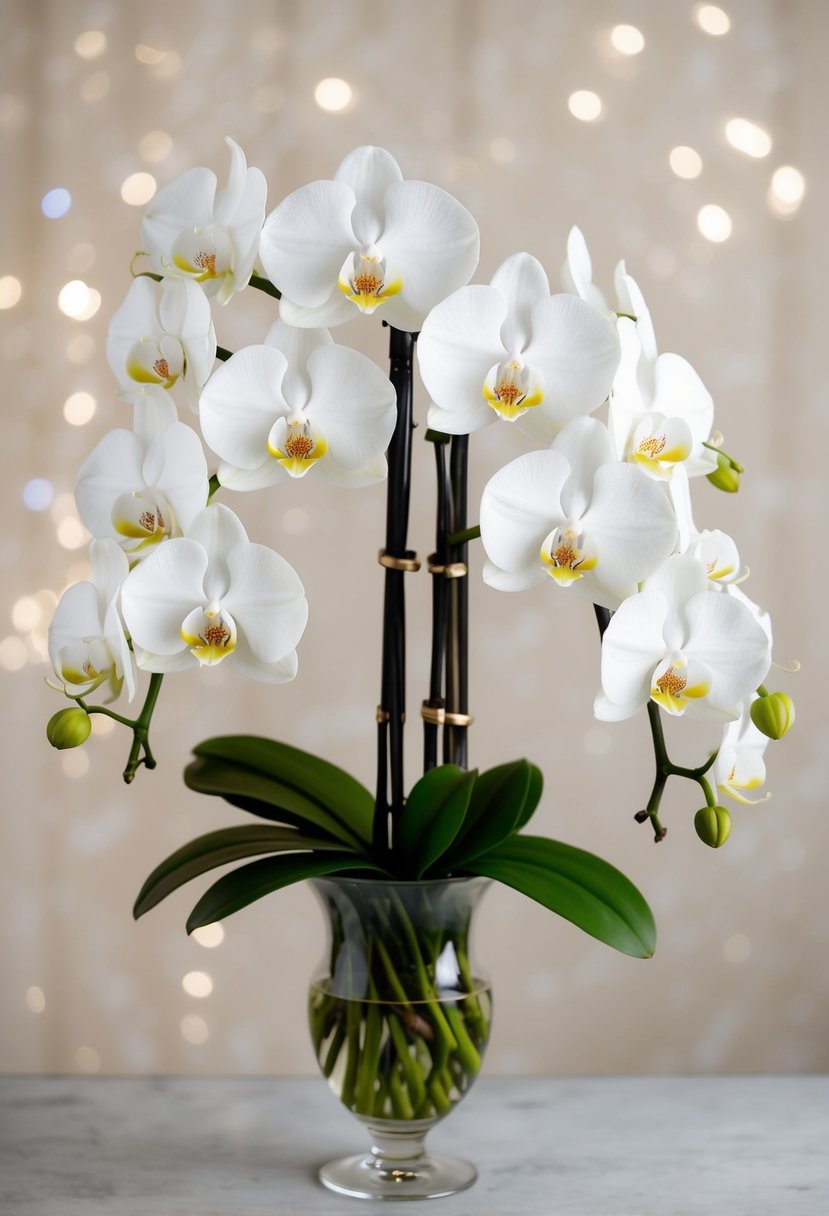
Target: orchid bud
{"points": [[773, 715], [713, 825], [725, 476], [68, 728]]}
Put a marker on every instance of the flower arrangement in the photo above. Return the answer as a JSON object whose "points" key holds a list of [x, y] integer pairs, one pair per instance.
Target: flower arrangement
{"points": [[600, 507]]}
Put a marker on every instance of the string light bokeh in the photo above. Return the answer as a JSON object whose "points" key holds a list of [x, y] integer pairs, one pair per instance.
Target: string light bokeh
{"points": [[686, 138]]}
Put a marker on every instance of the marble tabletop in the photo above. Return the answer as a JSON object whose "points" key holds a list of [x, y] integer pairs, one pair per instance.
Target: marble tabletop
{"points": [[704, 1146]]}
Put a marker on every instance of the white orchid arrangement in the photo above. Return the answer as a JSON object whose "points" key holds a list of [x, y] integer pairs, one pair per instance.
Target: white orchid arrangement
{"points": [[600, 506]]}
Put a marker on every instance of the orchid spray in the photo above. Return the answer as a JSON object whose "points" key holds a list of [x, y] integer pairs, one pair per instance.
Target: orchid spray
{"points": [[599, 506]]}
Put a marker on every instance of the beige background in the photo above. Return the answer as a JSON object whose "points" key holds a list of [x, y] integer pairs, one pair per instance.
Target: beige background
{"points": [[472, 96]]}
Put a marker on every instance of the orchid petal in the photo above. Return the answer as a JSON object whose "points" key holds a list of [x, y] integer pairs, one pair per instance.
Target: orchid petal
{"points": [[114, 466], [519, 506], [576, 349], [632, 525], [160, 592], [725, 635], [432, 241], [577, 272], [514, 580], [369, 172], [279, 672], [136, 317], [268, 473], [605, 710], [306, 240], [632, 646], [353, 402], [459, 343], [336, 310], [631, 301], [267, 601], [218, 531], [679, 393], [585, 445], [297, 345], [522, 282], [109, 569], [182, 474], [240, 402], [185, 202]]}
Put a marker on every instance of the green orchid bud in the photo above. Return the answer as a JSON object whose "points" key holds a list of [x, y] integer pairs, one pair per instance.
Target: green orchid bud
{"points": [[725, 476], [773, 714], [68, 728], [713, 825]]}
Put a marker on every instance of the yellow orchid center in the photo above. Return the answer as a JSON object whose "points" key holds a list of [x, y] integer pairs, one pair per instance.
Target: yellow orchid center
{"points": [[659, 449], [509, 391], [157, 360], [365, 285], [210, 633], [142, 517], [672, 690], [564, 559], [298, 448]]}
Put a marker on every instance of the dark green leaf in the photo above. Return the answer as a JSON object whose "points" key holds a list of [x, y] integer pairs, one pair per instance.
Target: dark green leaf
{"points": [[218, 849], [497, 802], [257, 793], [534, 792], [432, 815], [335, 790], [577, 885], [249, 883]]}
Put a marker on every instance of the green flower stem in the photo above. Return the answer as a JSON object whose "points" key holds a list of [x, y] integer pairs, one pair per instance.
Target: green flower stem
{"points": [[380, 1096], [472, 1008], [213, 486], [467, 1053], [427, 989], [401, 1103], [370, 1057], [139, 726], [391, 975], [410, 1070], [738, 468], [352, 1033], [334, 1050], [664, 770], [263, 284], [460, 538]]}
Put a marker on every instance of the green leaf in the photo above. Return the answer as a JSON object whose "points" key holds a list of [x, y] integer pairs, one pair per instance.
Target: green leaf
{"points": [[432, 816], [534, 792], [577, 885], [265, 797], [249, 883], [218, 849], [335, 790], [497, 802]]}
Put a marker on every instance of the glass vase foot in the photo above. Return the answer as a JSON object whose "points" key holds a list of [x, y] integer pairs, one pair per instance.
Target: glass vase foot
{"points": [[398, 1168]]}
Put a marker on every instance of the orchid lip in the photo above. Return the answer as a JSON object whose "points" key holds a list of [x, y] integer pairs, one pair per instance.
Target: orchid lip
{"points": [[363, 279], [210, 633], [565, 556], [511, 389], [295, 445]]}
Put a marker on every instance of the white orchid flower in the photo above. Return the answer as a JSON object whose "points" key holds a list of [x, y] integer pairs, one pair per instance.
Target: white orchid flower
{"points": [[298, 402], [199, 599], [191, 231], [513, 351], [661, 413], [162, 339], [577, 515], [684, 645], [143, 486], [577, 272], [740, 765], [87, 644], [365, 241], [577, 278]]}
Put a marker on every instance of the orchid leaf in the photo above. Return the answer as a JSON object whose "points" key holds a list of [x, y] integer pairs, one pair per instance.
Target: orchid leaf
{"points": [[218, 849], [498, 801], [576, 885], [432, 816], [333, 789], [249, 883], [534, 792]]}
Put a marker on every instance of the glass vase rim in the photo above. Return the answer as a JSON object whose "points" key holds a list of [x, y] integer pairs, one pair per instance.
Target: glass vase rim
{"points": [[402, 882]]}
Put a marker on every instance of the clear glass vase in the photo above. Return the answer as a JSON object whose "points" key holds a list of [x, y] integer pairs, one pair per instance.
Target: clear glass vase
{"points": [[400, 1016]]}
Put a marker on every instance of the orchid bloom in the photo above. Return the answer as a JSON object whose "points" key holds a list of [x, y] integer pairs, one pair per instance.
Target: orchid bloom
{"points": [[87, 644], [740, 765], [143, 486], [162, 341], [684, 645], [298, 402], [575, 514], [191, 231], [201, 598], [661, 413], [367, 241], [513, 351]]}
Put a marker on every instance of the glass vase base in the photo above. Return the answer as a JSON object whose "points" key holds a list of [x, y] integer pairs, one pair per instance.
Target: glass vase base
{"points": [[367, 1176]]}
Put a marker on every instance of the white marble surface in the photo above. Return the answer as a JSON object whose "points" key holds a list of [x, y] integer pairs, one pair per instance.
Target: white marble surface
{"points": [[741, 1146]]}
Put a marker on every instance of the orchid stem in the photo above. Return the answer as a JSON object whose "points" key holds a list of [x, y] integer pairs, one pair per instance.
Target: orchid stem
{"points": [[263, 284], [139, 726], [223, 353], [460, 538], [455, 736]]}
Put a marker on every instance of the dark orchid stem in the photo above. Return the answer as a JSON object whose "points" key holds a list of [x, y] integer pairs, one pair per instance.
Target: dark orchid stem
{"points": [[440, 599], [223, 354], [603, 616], [393, 680], [263, 284], [457, 659]]}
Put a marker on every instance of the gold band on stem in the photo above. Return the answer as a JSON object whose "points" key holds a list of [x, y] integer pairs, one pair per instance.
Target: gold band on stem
{"points": [[383, 715], [409, 562], [450, 570], [438, 716]]}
